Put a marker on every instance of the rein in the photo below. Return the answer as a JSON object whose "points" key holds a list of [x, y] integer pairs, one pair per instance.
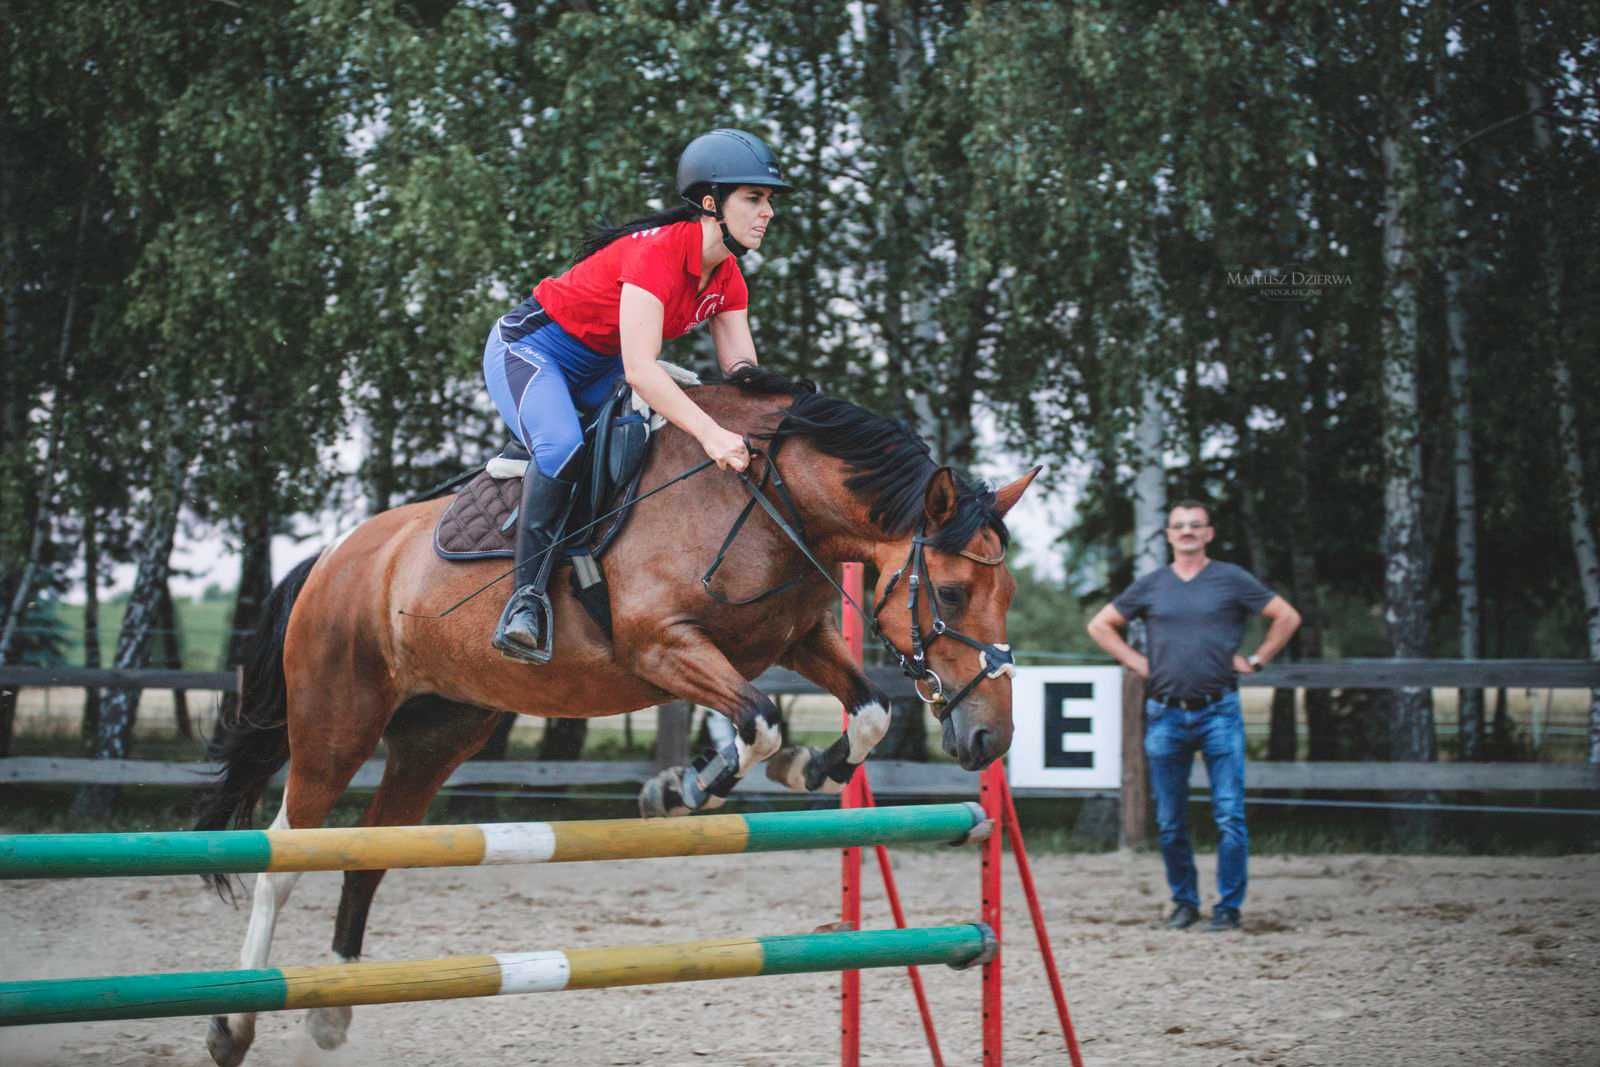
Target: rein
{"points": [[993, 659]]}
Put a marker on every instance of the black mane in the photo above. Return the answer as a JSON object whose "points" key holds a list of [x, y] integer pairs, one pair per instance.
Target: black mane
{"points": [[892, 465]]}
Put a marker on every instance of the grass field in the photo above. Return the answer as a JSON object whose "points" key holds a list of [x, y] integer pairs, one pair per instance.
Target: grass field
{"points": [[202, 626]]}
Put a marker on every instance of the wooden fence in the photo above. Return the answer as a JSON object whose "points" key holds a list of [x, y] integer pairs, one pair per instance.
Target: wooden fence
{"points": [[904, 778]]}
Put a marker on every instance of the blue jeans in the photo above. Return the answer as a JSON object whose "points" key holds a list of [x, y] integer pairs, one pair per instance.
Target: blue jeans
{"points": [[1171, 738]]}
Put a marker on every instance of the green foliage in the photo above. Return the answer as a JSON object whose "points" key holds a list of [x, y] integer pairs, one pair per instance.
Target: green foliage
{"points": [[254, 231], [1046, 622]]}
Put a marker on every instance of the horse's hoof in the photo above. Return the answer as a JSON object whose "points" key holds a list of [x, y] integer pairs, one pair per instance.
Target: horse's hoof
{"points": [[662, 796], [788, 767], [329, 1027], [224, 1048]]}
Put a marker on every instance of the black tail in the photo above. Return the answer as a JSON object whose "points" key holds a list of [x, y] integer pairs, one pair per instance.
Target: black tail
{"points": [[253, 742]]}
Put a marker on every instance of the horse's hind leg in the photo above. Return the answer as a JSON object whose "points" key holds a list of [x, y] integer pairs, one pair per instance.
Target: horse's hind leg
{"points": [[823, 657], [688, 665], [325, 753], [427, 740]]}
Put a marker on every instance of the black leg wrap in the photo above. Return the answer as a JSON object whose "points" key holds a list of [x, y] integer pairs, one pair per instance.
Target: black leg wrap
{"points": [[832, 764]]}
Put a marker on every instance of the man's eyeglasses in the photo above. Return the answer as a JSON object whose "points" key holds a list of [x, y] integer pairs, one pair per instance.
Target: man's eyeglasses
{"points": [[1188, 526]]}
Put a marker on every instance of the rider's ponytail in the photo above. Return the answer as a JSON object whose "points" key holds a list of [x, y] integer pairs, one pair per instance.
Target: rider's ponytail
{"points": [[604, 235]]}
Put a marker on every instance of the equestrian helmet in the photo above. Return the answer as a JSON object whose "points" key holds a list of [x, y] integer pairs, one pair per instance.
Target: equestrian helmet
{"points": [[727, 158]]}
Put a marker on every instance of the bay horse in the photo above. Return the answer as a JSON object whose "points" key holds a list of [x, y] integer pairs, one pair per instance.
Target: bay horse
{"points": [[353, 634]]}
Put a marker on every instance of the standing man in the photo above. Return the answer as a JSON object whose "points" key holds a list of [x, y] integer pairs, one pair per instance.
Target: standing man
{"points": [[1195, 611]]}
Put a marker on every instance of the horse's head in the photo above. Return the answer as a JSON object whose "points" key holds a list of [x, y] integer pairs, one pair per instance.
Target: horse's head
{"points": [[944, 608]]}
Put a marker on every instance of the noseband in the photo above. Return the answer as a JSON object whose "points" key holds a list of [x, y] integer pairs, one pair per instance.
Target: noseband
{"points": [[993, 659]]}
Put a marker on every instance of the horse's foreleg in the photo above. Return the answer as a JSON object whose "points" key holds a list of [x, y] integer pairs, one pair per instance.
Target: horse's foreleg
{"points": [[688, 665], [823, 657]]}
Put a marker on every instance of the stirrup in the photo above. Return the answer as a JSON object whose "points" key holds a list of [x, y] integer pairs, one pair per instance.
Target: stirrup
{"points": [[537, 603]]}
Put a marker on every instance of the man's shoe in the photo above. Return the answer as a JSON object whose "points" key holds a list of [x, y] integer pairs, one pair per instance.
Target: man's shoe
{"points": [[1183, 916], [1222, 921]]}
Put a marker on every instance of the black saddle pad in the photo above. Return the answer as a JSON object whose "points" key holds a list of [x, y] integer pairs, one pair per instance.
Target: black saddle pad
{"points": [[478, 523]]}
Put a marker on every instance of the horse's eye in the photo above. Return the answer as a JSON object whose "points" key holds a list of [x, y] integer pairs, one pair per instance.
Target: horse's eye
{"points": [[952, 596]]}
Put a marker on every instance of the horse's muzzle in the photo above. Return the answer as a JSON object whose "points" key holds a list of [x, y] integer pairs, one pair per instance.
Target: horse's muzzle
{"points": [[971, 741]]}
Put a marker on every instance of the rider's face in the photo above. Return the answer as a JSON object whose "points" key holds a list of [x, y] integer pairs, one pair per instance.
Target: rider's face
{"points": [[747, 211]]}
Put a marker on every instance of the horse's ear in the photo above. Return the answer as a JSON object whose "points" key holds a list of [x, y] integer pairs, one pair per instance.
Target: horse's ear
{"points": [[940, 501], [1007, 495]]}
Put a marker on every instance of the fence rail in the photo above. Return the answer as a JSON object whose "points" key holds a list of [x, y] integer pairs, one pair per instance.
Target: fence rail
{"points": [[903, 778], [888, 777], [1337, 674], [775, 682]]}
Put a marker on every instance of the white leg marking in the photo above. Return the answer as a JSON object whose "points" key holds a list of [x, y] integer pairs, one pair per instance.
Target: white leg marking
{"points": [[868, 724], [271, 894], [330, 1027], [768, 740]]}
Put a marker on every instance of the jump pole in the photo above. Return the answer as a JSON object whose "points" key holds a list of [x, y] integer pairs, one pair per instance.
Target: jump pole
{"points": [[389, 847], [152, 996]]}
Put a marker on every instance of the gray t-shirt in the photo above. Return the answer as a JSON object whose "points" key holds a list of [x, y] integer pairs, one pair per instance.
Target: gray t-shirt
{"points": [[1195, 626]]}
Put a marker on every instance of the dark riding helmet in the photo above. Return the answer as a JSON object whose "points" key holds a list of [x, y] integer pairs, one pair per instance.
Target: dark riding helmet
{"points": [[721, 160], [727, 157]]}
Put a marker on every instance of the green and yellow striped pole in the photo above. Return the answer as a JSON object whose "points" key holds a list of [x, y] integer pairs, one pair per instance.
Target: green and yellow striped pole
{"points": [[386, 847], [285, 988]]}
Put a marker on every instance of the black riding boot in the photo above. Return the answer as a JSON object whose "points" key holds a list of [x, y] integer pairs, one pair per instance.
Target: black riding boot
{"points": [[526, 629]]}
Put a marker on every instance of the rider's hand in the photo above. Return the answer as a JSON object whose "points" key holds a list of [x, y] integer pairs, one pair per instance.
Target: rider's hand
{"points": [[726, 449]]}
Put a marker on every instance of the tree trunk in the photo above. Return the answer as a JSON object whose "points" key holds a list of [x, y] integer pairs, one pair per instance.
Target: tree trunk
{"points": [[44, 516], [114, 737], [8, 719], [171, 656], [1580, 517], [91, 625], [1580, 521], [255, 584], [1321, 743], [1150, 478], [563, 739], [1282, 738], [907, 737], [1469, 714], [462, 808], [1411, 734], [1411, 730], [672, 734]]}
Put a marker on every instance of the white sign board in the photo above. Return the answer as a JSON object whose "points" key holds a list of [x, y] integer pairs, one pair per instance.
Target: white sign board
{"points": [[1068, 728]]}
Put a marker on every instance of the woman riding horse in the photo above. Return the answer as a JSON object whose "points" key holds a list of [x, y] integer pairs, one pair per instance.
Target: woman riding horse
{"points": [[364, 644], [556, 355]]}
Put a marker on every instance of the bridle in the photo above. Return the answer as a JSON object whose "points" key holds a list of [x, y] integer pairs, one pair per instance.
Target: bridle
{"points": [[994, 660]]}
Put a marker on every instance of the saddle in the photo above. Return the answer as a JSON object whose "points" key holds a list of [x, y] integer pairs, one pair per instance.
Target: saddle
{"points": [[481, 521]]}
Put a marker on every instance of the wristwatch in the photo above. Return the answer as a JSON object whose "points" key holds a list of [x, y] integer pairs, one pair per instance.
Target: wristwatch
{"points": [[1254, 661]]}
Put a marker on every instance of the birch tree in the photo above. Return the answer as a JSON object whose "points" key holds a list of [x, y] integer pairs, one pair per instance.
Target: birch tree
{"points": [[1411, 733], [114, 731], [1580, 516]]}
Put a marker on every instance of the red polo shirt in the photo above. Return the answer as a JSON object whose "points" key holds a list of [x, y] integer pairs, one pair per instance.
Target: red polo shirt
{"points": [[665, 262]]}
